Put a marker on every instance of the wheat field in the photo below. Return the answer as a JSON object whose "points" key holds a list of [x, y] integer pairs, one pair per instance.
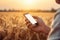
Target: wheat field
{"points": [[13, 27]]}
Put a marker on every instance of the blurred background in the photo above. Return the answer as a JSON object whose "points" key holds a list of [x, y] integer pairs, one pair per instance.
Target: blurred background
{"points": [[12, 21]]}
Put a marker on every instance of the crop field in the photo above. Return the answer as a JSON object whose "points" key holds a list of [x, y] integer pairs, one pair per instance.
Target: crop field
{"points": [[13, 27]]}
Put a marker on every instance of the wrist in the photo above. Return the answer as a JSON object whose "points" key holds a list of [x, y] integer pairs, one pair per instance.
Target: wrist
{"points": [[47, 30]]}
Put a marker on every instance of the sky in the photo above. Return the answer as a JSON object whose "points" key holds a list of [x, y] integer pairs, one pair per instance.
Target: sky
{"points": [[29, 4]]}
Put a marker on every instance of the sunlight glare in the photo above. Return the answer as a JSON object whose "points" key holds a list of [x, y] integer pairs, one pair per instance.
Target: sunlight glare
{"points": [[28, 2]]}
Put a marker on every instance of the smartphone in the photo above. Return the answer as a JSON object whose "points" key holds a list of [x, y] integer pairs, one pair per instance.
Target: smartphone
{"points": [[30, 18]]}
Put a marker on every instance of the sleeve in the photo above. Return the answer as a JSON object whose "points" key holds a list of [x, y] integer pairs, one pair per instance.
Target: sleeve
{"points": [[55, 34]]}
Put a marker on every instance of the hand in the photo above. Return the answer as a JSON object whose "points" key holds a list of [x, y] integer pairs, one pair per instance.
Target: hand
{"points": [[41, 27]]}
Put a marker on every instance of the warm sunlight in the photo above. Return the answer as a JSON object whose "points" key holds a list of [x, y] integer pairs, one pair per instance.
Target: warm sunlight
{"points": [[28, 4], [34, 4], [28, 1]]}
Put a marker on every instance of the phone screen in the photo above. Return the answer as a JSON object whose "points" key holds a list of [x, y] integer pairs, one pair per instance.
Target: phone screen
{"points": [[30, 18]]}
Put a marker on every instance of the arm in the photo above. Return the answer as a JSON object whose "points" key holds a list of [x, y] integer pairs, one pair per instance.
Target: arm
{"points": [[55, 34]]}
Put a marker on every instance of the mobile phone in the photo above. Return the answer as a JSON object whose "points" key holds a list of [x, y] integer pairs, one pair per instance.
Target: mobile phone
{"points": [[30, 18]]}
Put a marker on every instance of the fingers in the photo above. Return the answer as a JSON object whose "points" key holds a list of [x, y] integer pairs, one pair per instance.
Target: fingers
{"points": [[29, 25], [27, 22], [39, 20], [36, 17]]}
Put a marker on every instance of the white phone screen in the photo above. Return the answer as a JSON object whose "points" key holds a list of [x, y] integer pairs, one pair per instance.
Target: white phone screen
{"points": [[30, 18]]}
